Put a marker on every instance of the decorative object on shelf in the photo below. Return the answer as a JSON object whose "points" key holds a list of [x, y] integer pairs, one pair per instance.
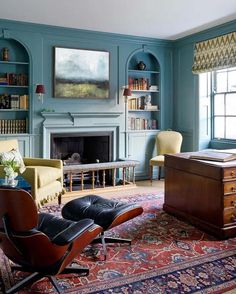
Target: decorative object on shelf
{"points": [[47, 110], [40, 91], [5, 54], [141, 65], [147, 100]]}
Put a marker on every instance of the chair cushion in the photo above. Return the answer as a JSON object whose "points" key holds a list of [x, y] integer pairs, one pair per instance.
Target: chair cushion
{"points": [[103, 211], [46, 174], [61, 231], [13, 155], [157, 160]]}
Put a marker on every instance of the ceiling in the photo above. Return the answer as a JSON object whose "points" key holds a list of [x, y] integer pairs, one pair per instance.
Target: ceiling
{"points": [[164, 19]]}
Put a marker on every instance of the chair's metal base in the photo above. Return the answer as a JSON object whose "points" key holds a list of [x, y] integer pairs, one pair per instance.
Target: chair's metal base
{"points": [[103, 239], [37, 276]]}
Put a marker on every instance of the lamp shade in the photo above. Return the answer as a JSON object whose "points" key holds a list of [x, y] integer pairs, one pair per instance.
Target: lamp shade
{"points": [[40, 89], [127, 92]]}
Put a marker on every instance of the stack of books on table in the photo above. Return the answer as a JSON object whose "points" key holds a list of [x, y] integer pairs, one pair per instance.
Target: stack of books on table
{"points": [[220, 156]]}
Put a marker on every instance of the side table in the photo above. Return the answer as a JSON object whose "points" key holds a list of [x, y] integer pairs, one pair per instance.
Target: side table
{"points": [[21, 184]]}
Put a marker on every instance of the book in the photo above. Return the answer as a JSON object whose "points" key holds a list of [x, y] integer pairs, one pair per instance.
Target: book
{"points": [[213, 156], [151, 107]]}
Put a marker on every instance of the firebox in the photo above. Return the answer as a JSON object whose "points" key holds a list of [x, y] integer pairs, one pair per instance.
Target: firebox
{"points": [[82, 147]]}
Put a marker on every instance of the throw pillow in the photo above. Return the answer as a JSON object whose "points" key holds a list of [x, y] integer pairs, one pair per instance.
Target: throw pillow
{"points": [[13, 155]]}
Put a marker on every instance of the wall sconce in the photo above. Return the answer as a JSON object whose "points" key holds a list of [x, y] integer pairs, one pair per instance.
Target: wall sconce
{"points": [[40, 91], [126, 93]]}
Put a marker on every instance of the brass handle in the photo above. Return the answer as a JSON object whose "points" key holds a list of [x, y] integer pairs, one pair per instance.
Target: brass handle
{"points": [[233, 189], [233, 203], [233, 218], [232, 173]]}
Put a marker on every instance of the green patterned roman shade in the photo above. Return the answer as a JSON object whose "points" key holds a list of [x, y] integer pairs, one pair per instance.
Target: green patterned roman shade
{"points": [[215, 54]]}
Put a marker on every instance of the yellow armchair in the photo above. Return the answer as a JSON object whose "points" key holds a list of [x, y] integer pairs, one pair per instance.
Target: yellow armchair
{"points": [[167, 142], [45, 176]]}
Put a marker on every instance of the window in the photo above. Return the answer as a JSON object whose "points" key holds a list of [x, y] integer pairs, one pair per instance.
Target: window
{"points": [[223, 101]]}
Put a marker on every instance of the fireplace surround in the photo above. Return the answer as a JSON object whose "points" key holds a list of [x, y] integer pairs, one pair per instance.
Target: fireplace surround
{"points": [[102, 126]]}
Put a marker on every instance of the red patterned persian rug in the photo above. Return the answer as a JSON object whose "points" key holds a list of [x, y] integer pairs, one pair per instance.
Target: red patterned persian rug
{"points": [[167, 255]]}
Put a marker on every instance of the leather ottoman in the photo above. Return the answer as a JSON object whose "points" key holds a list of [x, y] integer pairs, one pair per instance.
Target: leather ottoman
{"points": [[105, 213]]}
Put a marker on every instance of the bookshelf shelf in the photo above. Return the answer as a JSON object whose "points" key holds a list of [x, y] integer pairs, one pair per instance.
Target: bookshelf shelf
{"points": [[14, 62], [145, 91], [12, 86], [141, 72], [143, 110], [14, 110]]}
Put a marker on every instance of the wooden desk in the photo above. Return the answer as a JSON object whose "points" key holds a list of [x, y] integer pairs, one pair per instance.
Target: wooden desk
{"points": [[202, 192]]}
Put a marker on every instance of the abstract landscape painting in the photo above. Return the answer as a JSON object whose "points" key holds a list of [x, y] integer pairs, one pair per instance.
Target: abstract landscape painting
{"points": [[80, 73]]}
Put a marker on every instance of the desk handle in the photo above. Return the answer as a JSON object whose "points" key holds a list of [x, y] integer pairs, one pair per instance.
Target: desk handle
{"points": [[233, 218], [232, 173], [233, 203], [233, 189]]}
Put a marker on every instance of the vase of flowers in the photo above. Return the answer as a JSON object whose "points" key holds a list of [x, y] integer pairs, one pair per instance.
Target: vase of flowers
{"points": [[10, 167]]}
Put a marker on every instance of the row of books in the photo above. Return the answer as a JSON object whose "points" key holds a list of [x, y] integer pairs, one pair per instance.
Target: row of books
{"points": [[14, 79], [136, 103], [139, 123], [13, 126], [138, 83], [139, 103], [14, 101]]}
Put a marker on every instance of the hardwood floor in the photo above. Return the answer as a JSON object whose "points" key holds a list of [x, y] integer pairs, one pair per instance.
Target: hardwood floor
{"points": [[140, 187]]}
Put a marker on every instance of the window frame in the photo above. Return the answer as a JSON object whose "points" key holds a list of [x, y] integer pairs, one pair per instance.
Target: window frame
{"points": [[214, 93]]}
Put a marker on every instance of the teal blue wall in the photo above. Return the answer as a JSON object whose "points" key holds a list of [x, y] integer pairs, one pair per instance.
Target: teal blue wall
{"points": [[185, 97], [39, 41], [179, 87]]}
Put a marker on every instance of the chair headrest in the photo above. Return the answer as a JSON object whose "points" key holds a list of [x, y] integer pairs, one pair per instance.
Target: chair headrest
{"points": [[19, 207]]}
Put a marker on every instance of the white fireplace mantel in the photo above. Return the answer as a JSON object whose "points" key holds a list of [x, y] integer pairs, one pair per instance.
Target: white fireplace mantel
{"points": [[72, 122]]}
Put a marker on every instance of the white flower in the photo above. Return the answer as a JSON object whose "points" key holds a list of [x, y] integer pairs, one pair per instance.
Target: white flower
{"points": [[9, 167]]}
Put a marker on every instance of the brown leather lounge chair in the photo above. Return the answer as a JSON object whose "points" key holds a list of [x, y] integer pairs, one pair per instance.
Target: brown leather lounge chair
{"points": [[40, 243]]}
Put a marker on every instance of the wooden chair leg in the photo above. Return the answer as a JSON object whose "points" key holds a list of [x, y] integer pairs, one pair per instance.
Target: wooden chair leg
{"points": [[159, 173], [151, 172]]}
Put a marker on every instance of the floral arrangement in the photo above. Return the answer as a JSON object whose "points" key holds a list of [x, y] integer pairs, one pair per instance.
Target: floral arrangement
{"points": [[10, 167]]}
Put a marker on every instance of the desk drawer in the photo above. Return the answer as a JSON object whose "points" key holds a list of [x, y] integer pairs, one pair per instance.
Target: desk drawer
{"points": [[229, 173], [230, 201], [230, 209], [230, 187]]}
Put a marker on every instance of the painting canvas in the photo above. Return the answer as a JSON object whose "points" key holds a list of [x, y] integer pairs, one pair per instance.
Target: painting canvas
{"points": [[80, 73]]}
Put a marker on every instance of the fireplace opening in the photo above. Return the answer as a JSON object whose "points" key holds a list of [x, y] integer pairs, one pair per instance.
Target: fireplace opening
{"points": [[90, 147], [83, 148]]}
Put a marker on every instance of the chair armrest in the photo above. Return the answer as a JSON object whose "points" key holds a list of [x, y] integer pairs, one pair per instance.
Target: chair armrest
{"points": [[43, 162], [30, 175]]}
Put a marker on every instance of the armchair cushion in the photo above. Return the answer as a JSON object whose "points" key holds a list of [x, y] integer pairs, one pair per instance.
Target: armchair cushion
{"points": [[46, 174], [13, 155], [157, 160]]}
